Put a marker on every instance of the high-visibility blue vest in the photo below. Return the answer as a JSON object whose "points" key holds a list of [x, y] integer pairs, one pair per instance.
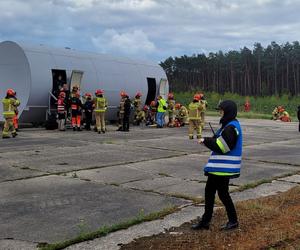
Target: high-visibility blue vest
{"points": [[229, 163]]}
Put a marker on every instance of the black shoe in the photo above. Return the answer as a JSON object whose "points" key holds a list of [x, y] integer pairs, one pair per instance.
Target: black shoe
{"points": [[200, 226], [229, 226], [74, 129], [103, 131], [14, 134], [79, 129]]}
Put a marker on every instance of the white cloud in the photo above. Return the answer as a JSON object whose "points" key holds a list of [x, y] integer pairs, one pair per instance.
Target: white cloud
{"points": [[127, 43], [155, 29]]}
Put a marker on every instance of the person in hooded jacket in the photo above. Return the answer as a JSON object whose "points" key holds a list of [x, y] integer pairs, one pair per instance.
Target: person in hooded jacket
{"points": [[224, 163], [298, 114]]}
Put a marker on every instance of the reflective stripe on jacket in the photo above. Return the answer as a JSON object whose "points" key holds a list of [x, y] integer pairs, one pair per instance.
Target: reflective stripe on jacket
{"points": [[194, 111], [100, 104], [9, 105], [228, 163]]}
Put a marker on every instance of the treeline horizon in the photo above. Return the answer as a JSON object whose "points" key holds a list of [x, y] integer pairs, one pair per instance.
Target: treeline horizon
{"points": [[274, 70]]}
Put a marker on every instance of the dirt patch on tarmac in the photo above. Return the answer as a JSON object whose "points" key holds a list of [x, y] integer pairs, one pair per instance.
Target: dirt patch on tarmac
{"points": [[268, 223]]}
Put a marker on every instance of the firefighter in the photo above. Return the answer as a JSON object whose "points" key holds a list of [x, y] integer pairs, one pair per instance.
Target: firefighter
{"points": [[121, 110], [181, 117], [88, 110], [138, 111], [171, 110], [10, 103], [223, 164], [247, 105], [61, 111], [203, 103], [16, 119], [127, 110], [195, 109], [100, 104], [150, 113], [284, 115], [161, 110], [275, 113], [76, 110]]}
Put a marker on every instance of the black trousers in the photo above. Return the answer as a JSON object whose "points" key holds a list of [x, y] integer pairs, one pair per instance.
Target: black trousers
{"points": [[125, 123], [221, 184], [299, 126], [88, 120]]}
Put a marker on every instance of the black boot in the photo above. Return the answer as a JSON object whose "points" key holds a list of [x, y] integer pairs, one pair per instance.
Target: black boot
{"points": [[200, 225], [229, 226]]}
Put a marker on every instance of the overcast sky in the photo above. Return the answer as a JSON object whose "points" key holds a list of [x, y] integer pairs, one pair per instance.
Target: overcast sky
{"points": [[150, 29]]}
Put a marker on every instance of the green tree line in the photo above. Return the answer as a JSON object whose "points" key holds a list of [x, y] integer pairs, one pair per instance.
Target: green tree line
{"points": [[274, 70]]}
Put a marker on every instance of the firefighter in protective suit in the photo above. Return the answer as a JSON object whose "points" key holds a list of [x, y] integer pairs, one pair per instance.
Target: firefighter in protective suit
{"points": [[284, 115], [76, 107], [139, 114], [171, 110], [195, 109], [121, 110], [10, 103], [100, 103], [275, 113], [181, 117]]}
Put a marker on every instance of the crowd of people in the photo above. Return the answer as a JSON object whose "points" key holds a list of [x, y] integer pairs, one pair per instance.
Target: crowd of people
{"points": [[86, 110], [148, 115]]}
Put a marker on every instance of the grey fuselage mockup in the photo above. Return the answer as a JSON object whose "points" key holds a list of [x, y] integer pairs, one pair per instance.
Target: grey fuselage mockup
{"points": [[35, 72]]}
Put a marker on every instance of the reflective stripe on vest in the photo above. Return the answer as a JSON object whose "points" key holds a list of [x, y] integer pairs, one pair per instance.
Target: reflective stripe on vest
{"points": [[230, 162], [194, 112], [8, 108], [100, 104]]}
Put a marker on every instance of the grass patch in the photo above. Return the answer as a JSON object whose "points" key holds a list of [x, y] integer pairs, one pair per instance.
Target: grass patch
{"points": [[141, 217], [252, 185], [267, 223]]}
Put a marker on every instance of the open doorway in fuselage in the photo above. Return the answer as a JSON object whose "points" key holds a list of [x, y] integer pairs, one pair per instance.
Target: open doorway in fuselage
{"points": [[151, 95], [59, 78]]}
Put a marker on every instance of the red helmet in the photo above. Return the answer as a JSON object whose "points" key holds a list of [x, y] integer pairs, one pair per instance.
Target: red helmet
{"points": [[123, 93], [197, 97], [146, 108], [153, 103], [177, 105], [99, 92], [11, 92], [170, 96], [62, 94], [138, 94], [88, 95]]}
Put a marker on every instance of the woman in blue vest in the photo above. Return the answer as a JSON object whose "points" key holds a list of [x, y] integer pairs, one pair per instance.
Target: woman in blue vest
{"points": [[224, 163]]}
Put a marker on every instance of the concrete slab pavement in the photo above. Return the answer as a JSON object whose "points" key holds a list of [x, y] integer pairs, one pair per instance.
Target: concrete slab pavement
{"points": [[118, 174]]}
